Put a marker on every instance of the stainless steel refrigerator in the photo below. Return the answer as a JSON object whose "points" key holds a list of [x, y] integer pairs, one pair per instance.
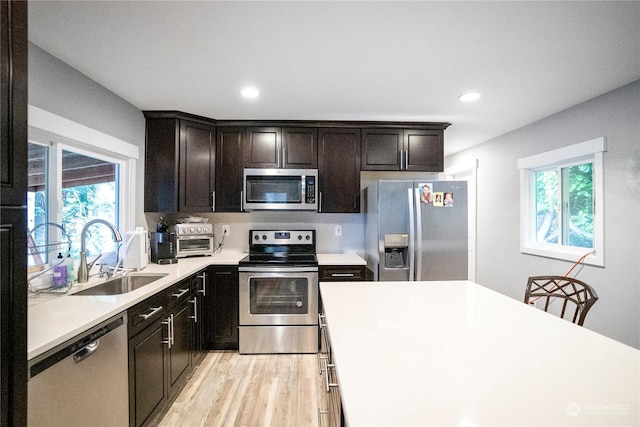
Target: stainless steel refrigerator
{"points": [[417, 230]]}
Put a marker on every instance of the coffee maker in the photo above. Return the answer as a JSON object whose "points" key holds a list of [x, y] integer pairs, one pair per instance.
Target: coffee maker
{"points": [[163, 247]]}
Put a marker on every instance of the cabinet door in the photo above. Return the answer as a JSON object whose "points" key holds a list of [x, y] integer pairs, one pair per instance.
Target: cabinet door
{"points": [[382, 149], [180, 350], [339, 170], [161, 168], [197, 162], [13, 104], [147, 373], [262, 147], [229, 169], [13, 228], [195, 317], [424, 150], [300, 148], [221, 308]]}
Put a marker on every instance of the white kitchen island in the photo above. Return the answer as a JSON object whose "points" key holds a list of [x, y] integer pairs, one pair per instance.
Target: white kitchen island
{"points": [[458, 354]]}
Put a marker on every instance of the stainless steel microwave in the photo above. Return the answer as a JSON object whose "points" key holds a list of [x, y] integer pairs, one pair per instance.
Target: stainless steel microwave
{"points": [[280, 189]]}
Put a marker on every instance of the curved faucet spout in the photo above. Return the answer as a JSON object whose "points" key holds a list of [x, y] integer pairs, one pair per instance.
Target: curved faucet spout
{"points": [[83, 269]]}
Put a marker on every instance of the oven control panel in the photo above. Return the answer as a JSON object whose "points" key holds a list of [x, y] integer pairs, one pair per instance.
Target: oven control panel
{"points": [[282, 237]]}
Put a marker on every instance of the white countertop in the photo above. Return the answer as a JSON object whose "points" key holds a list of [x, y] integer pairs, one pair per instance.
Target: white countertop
{"points": [[456, 353], [52, 320], [340, 259]]}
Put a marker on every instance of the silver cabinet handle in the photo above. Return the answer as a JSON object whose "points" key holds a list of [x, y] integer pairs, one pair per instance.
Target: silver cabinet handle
{"points": [[406, 159], [400, 160], [342, 274], [180, 293], [194, 301], [327, 384], [320, 414], [173, 334], [213, 201], [319, 201], [241, 201], [203, 291], [321, 316], [170, 338], [154, 310]]}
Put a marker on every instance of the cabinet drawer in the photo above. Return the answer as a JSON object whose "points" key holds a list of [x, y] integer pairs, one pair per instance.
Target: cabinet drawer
{"points": [[145, 313], [178, 293], [342, 273]]}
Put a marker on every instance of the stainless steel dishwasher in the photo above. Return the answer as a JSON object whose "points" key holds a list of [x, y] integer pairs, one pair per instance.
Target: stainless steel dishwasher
{"points": [[83, 382]]}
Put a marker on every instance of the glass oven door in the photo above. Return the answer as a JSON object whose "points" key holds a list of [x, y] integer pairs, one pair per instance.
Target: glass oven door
{"points": [[278, 295], [278, 298]]}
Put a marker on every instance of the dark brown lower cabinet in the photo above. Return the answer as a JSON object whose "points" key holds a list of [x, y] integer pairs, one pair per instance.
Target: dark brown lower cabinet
{"points": [[220, 308], [147, 373], [197, 317], [161, 332]]}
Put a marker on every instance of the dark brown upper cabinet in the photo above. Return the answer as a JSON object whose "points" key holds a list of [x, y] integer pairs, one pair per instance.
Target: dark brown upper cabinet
{"points": [[281, 148], [179, 164], [229, 168], [339, 170], [392, 149]]}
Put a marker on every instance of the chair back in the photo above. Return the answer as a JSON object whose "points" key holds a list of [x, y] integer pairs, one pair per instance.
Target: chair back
{"points": [[577, 297]]}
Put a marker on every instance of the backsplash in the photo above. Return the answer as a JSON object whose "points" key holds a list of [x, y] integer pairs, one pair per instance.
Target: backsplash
{"points": [[351, 241]]}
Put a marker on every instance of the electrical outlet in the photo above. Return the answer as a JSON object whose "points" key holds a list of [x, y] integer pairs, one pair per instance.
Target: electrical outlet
{"points": [[338, 230], [225, 230]]}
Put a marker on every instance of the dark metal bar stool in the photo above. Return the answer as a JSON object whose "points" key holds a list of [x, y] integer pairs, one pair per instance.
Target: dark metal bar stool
{"points": [[577, 297]]}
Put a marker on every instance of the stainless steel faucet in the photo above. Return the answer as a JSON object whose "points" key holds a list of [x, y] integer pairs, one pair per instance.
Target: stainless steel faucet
{"points": [[83, 270]]}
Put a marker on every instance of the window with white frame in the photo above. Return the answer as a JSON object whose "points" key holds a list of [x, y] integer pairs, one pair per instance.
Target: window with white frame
{"points": [[85, 185], [562, 203], [77, 174]]}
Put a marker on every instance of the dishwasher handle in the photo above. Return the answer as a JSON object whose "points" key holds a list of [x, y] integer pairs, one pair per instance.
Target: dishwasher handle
{"points": [[86, 352]]}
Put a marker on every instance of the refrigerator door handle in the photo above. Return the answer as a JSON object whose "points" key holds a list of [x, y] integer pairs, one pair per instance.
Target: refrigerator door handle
{"points": [[418, 235], [412, 235]]}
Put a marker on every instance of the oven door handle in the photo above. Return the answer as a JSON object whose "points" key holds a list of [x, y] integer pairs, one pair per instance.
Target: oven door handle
{"points": [[288, 269]]}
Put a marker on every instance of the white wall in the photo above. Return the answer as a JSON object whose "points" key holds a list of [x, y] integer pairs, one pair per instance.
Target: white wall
{"points": [[62, 90], [615, 116]]}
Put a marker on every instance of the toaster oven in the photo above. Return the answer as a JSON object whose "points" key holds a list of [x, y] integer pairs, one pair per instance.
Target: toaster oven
{"points": [[194, 239]]}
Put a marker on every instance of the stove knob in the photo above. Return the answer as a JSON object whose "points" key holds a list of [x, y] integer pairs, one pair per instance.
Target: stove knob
{"points": [[299, 236], [192, 229], [256, 237], [264, 237], [199, 229], [308, 237]]}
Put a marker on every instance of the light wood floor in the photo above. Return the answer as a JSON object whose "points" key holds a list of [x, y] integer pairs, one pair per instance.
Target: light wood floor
{"points": [[229, 389]]}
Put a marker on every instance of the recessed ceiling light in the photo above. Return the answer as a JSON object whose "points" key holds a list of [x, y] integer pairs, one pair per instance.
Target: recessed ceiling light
{"points": [[468, 97], [250, 92]]}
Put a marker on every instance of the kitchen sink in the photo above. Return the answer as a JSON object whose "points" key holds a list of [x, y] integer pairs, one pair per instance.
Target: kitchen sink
{"points": [[122, 285]]}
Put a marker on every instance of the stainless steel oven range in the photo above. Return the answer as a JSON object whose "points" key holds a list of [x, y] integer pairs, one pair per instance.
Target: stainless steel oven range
{"points": [[279, 293]]}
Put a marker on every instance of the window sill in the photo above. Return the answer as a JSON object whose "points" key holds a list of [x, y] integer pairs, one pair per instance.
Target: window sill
{"points": [[572, 254]]}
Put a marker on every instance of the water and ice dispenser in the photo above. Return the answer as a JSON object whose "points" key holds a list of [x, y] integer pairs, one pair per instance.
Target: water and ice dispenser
{"points": [[396, 250]]}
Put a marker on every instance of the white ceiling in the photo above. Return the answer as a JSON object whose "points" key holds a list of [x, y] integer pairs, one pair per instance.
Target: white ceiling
{"points": [[405, 61]]}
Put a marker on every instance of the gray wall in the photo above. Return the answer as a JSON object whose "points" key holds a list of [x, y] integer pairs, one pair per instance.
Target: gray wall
{"points": [[501, 266], [60, 89]]}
